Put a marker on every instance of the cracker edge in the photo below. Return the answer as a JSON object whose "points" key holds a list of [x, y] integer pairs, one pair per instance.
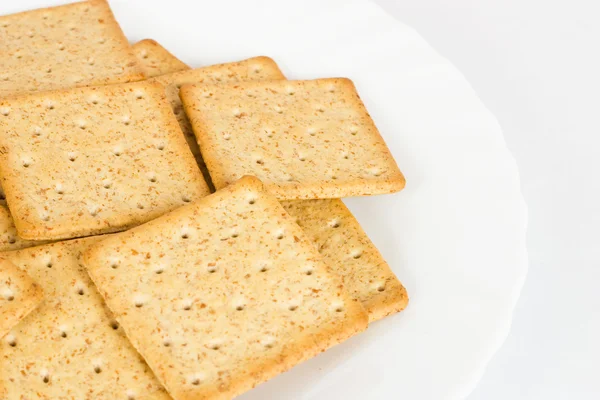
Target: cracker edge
{"points": [[396, 297], [30, 231], [269, 63], [139, 75], [266, 62], [357, 317], [32, 302], [20, 243], [156, 395], [381, 305], [142, 44], [296, 191]]}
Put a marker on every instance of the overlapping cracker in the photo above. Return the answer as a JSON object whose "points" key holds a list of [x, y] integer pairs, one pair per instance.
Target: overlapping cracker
{"points": [[9, 239], [156, 60], [339, 237], [349, 252], [252, 69], [93, 160], [71, 346], [79, 44], [19, 295], [303, 139], [223, 294]]}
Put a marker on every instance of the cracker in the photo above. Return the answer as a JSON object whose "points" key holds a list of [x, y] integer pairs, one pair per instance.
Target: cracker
{"points": [[93, 160], [156, 60], [303, 139], [252, 69], [367, 277], [223, 294], [9, 239], [349, 252], [70, 347], [79, 44], [19, 295]]}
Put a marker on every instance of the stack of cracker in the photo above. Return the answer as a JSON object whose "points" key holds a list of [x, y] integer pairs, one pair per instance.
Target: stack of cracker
{"points": [[169, 232]]}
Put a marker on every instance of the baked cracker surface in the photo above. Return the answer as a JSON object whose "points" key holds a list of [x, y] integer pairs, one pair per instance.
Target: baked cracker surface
{"points": [[19, 295], [223, 294], [349, 252], [70, 347], [78, 44], [303, 139], [156, 60], [84, 161], [253, 69]]}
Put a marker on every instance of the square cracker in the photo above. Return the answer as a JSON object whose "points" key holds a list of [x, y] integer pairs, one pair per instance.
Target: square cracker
{"points": [[156, 60], [79, 44], [253, 69], [70, 347], [19, 295], [223, 294], [303, 139], [93, 160], [349, 252]]}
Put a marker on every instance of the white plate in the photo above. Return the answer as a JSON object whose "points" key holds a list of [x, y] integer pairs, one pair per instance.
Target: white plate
{"points": [[455, 236]]}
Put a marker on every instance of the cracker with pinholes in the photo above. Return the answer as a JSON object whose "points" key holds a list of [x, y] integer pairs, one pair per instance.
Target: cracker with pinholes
{"points": [[156, 60], [223, 294], [349, 252], [303, 139], [70, 347], [253, 69], [19, 295], [339, 237], [79, 44], [93, 160]]}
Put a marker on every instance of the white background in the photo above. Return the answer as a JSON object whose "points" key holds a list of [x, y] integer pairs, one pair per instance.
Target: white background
{"points": [[536, 65]]}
